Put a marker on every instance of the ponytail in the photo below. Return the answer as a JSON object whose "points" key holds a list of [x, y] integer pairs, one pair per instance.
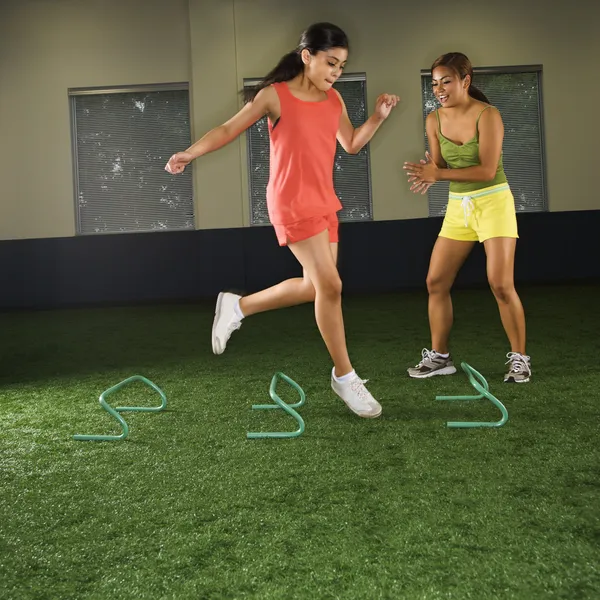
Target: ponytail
{"points": [[478, 94], [287, 68]]}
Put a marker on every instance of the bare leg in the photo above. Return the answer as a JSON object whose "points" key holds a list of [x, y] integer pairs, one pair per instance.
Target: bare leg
{"points": [[290, 292], [322, 284], [447, 258], [316, 257], [500, 270]]}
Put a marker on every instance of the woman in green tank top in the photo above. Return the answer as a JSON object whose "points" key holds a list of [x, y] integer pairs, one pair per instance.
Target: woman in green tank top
{"points": [[465, 137]]}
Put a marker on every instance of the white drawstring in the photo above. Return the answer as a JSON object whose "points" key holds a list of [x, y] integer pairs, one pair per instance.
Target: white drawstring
{"points": [[468, 208]]}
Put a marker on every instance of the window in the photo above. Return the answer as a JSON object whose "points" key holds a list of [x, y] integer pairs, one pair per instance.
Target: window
{"points": [[517, 93], [351, 173], [122, 139]]}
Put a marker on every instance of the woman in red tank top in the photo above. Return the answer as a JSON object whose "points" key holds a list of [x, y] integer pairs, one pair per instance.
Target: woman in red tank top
{"points": [[306, 117]]}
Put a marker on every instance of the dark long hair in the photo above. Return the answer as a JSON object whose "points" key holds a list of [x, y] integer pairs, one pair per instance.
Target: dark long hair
{"points": [[462, 66], [318, 37]]}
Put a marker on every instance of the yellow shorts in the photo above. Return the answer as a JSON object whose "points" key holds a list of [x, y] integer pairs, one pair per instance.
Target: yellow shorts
{"points": [[481, 215]]}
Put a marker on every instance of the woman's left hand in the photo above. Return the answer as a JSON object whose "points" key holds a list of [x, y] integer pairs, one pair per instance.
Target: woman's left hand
{"points": [[384, 105], [425, 172], [419, 187]]}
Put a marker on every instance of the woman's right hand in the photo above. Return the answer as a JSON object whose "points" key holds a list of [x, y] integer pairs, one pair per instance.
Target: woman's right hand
{"points": [[178, 162], [421, 187]]}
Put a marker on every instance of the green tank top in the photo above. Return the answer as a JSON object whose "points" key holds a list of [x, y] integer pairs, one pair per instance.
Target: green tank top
{"points": [[466, 155]]}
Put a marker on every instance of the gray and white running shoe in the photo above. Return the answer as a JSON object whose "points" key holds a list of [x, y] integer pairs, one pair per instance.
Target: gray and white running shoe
{"points": [[519, 370], [432, 363]]}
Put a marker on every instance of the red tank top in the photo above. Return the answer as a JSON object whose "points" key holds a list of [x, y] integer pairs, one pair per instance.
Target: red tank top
{"points": [[302, 153]]}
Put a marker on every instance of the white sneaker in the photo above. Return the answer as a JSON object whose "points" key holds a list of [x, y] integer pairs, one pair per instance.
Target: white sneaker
{"points": [[226, 321], [357, 397]]}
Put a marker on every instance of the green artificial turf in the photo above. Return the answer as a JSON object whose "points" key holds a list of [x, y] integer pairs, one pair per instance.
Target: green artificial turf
{"points": [[395, 507]]}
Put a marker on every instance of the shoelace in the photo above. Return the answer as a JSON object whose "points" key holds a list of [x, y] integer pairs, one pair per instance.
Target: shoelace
{"points": [[519, 363], [468, 208], [426, 355], [358, 387]]}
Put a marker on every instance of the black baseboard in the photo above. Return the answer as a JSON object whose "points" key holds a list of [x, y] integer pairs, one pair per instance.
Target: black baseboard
{"points": [[380, 256]]}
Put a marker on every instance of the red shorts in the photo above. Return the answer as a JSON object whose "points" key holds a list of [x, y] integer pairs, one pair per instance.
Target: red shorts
{"points": [[303, 230]]}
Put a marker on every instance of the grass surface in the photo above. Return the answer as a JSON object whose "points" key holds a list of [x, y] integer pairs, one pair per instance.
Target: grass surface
{"points": [[396, 507]]}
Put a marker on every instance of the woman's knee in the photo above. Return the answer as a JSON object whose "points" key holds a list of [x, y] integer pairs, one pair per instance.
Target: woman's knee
{"points": [[330, 287], [502, 288], [438, 283]]}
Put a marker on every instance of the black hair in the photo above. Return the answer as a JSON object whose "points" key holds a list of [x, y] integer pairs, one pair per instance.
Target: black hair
{"points": [[317, 38], [461, 65]]}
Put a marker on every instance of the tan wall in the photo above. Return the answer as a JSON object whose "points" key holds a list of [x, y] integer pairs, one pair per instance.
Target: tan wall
{"points": [[47, 46], [393, 41]]}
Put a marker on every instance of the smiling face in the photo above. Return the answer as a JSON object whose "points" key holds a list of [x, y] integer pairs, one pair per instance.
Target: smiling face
{"points": [[325, 67], [448, 87]]}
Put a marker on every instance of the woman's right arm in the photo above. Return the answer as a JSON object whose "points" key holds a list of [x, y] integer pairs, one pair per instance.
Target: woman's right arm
{"points": [[434, 154], [434, 142], [224, 134]]}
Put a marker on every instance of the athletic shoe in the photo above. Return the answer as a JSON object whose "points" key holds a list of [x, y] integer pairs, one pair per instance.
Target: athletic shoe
{"points": [[432, 363], [226, 321]]}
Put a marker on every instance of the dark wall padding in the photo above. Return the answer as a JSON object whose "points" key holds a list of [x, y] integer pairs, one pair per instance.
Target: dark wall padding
{"points": [[179, 266]]}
